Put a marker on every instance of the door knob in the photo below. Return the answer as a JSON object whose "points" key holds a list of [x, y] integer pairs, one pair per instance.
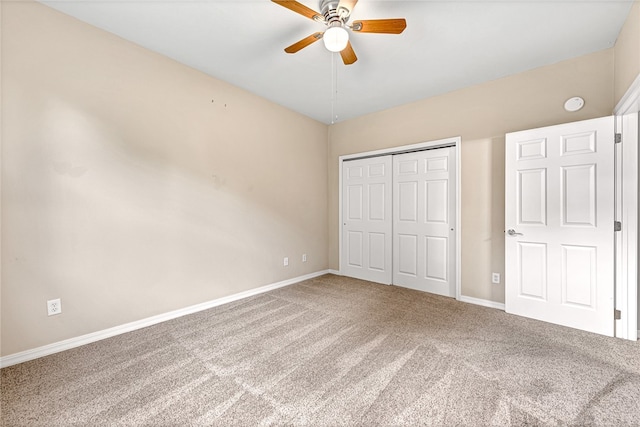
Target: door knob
{"points": [[512, 232]]}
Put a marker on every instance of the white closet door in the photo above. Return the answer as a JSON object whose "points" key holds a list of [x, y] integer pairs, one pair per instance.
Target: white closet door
{"points": [[559, 220], [424, 209], [366, 217]]}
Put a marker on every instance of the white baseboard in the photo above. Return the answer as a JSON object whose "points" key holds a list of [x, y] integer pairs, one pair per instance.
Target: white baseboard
{"points": [[24, 356], [336, 272], [482, 302]]}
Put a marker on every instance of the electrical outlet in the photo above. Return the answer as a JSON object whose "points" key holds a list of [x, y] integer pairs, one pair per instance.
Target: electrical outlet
{"points": [[495, 277], [54, 306], [286, 261], [304, 257]]}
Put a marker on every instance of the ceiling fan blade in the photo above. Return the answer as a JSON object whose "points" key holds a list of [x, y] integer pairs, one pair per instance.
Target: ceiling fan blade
{"points": [[299, 45], [301, 9], [387, 26], [348, 5], [348, 55]]}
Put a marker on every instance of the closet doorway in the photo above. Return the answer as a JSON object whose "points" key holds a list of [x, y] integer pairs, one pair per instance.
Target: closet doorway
{"points": [[399, 216]]}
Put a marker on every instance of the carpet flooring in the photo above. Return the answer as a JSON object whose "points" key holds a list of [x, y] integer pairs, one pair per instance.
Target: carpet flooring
{"points": [[334, 351]]}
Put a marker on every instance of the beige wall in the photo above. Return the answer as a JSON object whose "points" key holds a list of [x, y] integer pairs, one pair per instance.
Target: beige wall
{"points": [[481, 115], [627, 53], [133, 185]]}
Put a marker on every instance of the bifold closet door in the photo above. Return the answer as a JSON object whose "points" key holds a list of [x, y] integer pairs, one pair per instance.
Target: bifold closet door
{"points": [[424, 209], [366, 217]]}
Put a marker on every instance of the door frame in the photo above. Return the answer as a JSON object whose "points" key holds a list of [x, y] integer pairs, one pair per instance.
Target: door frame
{"points": [[446, 142], [626, 287]]}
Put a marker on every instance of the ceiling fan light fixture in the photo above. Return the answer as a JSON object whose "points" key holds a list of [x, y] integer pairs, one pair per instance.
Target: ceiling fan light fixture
{"points": [[335, 38]]}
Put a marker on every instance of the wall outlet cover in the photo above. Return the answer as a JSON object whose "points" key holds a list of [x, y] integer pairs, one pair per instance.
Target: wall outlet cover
{"points": [[54, 306]]}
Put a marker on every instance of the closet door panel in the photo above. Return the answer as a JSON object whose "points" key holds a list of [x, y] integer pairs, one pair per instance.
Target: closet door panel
{"points": [[424, 208], [366, 216]]}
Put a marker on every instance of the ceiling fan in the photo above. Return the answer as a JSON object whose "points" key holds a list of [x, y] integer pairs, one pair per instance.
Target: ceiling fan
{"points": [[335, 15]]}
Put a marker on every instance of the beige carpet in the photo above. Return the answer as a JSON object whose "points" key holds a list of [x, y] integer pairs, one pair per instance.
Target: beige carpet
{"points": [[334, 351]]}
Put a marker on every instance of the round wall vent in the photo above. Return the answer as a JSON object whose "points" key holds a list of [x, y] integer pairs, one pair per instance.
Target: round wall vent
{"points": [[574, 104]]}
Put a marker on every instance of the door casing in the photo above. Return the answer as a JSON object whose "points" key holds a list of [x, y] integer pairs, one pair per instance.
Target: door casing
{"points": [[627, 257]]}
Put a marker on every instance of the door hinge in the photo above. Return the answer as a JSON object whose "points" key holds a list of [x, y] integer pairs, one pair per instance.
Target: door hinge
{"points": [[617, 226], [617, 314], [618, 138]]}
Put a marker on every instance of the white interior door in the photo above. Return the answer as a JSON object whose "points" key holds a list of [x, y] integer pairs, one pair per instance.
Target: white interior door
{"points": [[559, 238], [366, 217], [424, 206]]}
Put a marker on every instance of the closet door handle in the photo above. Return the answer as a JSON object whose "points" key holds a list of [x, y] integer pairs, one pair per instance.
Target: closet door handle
{"points": [[512, 232]]}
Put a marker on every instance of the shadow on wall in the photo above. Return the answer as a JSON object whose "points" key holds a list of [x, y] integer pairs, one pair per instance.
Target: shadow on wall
{"points": [[483, 218], [498, 216]]}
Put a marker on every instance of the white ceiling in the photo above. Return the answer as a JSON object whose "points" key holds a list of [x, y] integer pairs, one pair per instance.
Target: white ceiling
{"points": [[448, 45]]}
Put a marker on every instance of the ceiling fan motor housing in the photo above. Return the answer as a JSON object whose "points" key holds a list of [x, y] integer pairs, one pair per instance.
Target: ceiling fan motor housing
{"points": [[333, 15]]}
